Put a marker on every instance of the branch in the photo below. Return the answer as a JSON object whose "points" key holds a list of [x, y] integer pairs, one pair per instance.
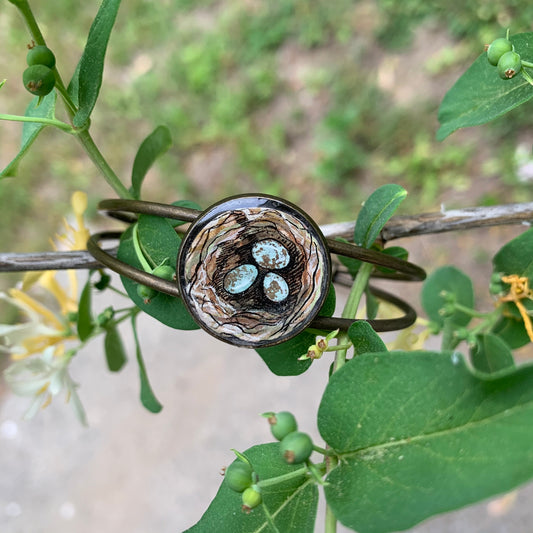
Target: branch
{"points": [[439, 222], [397, 227]]}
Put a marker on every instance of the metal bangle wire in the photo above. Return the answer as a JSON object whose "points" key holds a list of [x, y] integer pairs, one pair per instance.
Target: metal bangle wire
{"points": [[405, 271], [171, 288], [120, 209]]}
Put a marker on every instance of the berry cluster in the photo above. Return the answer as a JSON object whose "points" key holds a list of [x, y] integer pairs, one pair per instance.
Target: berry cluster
{"points": [[162, 271], [240, 477], [295, 446], [501, 54], [39, 78]]}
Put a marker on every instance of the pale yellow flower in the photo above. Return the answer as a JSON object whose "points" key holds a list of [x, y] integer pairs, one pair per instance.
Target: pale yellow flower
{"points": [[37, 342], [40, 328]]}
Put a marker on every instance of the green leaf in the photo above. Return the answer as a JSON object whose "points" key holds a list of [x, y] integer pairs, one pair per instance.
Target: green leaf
{"points": [[92, 60], [184, 203], [516, 257], [365, 339], [160, 241], [328, 308], [156, 144], [480, 95], [282, 359], [418, 434], [291, 504], [148, 398], [30, 130], [375, 213], [454, 281], [114, 349], [353, 265], [491, 354], [85, 324], [511, 329], [74, 85], [394, 251]]}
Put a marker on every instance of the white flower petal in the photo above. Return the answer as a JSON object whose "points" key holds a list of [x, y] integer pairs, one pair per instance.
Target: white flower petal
{"points": [[34, 407]]}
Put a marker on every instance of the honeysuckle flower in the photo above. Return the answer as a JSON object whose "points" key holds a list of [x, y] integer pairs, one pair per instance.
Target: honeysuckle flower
{"points": [[37, 344], [40, 329], [42, 378]]}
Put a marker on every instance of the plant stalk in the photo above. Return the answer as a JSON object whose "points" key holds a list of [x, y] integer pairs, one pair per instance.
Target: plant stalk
{"points": [[350, 310]]}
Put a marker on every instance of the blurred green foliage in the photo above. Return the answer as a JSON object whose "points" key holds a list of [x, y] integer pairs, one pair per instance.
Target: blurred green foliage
{"points": [[292, 97]]}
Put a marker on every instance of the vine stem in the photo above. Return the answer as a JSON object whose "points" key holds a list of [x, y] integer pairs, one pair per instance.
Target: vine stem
{"points": [[46, 121], [350, 310], [103, 166], [83, 135]]}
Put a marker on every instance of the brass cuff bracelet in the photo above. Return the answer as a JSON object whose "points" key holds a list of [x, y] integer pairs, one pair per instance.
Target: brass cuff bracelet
{"points": [[254, 270]]}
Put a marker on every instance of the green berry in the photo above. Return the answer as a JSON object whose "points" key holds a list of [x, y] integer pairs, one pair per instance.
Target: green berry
{"points": [[238, 476], [41, 55], [39, 80], [509, 65], [251, 498], [164, 271], [146, 293], [497, 48], [296, 447], [281, 424]]}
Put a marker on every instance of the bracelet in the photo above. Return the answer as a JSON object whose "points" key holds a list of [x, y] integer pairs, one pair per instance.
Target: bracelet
{"points": [[254, 270]]}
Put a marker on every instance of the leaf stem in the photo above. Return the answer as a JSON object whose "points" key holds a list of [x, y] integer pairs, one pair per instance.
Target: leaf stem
{"points": [[26, 12], [46, 121], [263, 483], [103, 166], [328, 452], [138, 251]]}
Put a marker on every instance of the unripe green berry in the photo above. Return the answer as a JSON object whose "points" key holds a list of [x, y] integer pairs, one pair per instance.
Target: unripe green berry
{"points": [[39, 80], [296, 447], [238, 476], [146, 293], [497, 48], [281, 424], [41, 55], [251, 498], [164, 271], [509, 65]]}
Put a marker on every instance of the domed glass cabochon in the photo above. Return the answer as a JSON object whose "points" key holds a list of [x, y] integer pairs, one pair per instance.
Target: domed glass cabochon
{"points": [[254, 270]]}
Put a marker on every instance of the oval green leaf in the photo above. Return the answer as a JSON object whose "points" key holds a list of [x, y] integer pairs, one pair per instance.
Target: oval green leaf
{"points": [[85, 323], [155, 145], [365, 339], [292, 504], [451, 280], [480, 95], [418, 433], [115, 353], [282, 359], [491, 354], [161, 241], [30, 130], [376, 211], [91, 66]]}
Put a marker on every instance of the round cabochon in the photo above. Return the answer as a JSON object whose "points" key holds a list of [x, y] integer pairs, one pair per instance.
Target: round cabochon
{"points": [[253, 270]]}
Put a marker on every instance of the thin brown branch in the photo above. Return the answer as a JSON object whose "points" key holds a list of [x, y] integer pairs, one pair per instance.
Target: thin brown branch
{"points": [[397, 227], [439, 222]]}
